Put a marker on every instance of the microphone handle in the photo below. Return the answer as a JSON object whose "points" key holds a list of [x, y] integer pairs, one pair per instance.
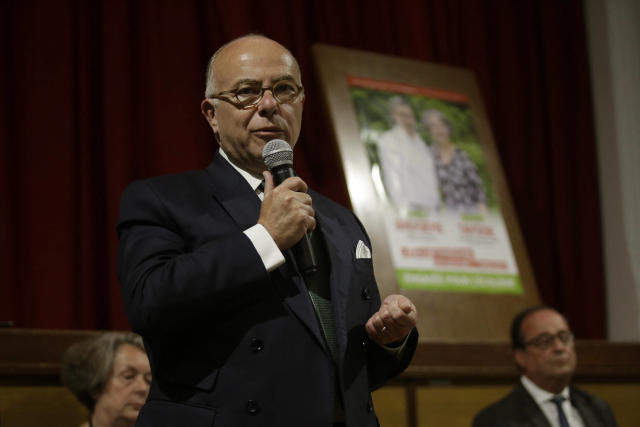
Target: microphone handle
{"points": [[303, 250]]}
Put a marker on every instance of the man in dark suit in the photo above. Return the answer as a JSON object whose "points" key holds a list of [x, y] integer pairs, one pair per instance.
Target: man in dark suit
{"points": [[235, 334], [544, 352]]}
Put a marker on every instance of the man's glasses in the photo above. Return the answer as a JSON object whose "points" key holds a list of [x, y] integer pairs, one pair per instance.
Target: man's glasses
{"points": [[248, 95], [544, 341]]}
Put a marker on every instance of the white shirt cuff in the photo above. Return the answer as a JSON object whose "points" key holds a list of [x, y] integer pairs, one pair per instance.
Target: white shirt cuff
{"points": [[269, 252]]}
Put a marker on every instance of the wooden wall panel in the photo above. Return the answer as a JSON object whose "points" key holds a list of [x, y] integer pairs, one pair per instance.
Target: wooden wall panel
{"points": [[454, 406], [37, 406], [390, 404], [446, 385]]}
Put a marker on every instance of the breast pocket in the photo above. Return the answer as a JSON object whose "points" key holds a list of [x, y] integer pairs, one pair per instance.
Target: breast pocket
{"points": [[364, 283], [363, 266]]}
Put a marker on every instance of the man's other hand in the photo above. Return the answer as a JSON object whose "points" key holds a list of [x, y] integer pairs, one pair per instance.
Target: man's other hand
{"points": [[393, 322]]}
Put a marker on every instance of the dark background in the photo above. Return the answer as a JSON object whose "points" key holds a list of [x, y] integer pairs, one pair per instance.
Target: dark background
{"points": [[95, 94]]}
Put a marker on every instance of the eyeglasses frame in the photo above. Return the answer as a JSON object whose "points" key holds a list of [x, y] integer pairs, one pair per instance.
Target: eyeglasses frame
{"points": [[532, 341], [239, 105]]}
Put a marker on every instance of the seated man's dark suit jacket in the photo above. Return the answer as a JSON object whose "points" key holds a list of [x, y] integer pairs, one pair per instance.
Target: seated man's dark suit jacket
{"points": [[229, 343], [519, 409]]}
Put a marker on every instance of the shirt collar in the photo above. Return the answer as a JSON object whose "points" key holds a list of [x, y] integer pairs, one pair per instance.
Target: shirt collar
{"points": [[252, 179], [538, 394]]}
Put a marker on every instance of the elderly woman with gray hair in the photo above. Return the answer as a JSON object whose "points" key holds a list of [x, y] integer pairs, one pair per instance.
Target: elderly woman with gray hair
{"points": [[110, 375]]}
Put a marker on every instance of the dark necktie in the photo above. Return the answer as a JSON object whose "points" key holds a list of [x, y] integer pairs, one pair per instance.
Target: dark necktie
{"points": [[260, 189], [318, 286], [561, 416], [319, 291]]}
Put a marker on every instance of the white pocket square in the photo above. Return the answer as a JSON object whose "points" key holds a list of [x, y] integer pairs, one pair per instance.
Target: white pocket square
{"points": [[362, 251]]}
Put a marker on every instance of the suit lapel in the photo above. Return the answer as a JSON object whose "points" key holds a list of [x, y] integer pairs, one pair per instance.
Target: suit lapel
{"points": [[539, 419], [341, 270], [532, 415], [589, 418], [233, 193], [242, 204], [296, 296]]}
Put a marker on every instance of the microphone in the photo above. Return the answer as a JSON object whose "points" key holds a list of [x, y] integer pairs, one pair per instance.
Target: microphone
{"points": [[278, 158]]}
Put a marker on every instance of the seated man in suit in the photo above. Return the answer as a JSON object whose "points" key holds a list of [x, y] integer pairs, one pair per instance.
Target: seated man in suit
{"points": [[543, 350], [237, 334]]}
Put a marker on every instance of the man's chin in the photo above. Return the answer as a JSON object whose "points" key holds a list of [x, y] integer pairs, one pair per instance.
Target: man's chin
{"points": [[563, 371]]}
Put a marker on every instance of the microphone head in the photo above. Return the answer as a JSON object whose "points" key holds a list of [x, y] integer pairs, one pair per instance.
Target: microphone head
{"points": [[276, 153]]}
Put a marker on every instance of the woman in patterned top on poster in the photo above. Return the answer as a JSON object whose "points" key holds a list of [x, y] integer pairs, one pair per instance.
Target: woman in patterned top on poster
{"points": [[460, 184]]}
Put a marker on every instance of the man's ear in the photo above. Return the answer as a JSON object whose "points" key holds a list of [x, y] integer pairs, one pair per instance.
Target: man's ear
{"points": [[208, 111], [95, 395], [520, 358]]}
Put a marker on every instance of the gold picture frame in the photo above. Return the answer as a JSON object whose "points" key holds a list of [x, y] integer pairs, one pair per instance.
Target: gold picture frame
{"points": [[443, 314]]}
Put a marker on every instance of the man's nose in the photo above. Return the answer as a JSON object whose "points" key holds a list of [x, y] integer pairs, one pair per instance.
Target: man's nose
{"points": [[268, 104], [558, 344]]}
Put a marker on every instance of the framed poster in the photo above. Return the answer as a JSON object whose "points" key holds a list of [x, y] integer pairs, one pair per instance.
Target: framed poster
{"points": [[424, 177]]}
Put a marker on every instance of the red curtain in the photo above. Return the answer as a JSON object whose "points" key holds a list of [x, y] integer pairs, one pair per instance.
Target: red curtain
{"points": [[94, 94]]}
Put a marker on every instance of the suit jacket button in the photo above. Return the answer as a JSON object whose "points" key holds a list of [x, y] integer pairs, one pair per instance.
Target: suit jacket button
{"points": [[366, 295], [257, 345], [369, 406], [364, 344], [252, 407]]}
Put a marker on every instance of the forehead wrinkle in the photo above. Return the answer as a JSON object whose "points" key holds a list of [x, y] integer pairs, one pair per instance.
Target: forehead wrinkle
{"points": [[257, 81]]}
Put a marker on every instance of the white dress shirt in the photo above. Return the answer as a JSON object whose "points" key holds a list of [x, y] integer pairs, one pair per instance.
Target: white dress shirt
{"points": [[549, 409]]}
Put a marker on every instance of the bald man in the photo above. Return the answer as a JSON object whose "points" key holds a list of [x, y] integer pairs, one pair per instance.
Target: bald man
{"points": [[235, 333]]}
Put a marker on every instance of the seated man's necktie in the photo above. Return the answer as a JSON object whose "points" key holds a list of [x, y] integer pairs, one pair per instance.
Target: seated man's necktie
{"points": [[562, 418]]}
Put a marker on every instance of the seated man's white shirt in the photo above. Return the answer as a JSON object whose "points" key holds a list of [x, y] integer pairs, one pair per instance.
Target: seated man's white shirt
{"points": [[548, 408]]}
